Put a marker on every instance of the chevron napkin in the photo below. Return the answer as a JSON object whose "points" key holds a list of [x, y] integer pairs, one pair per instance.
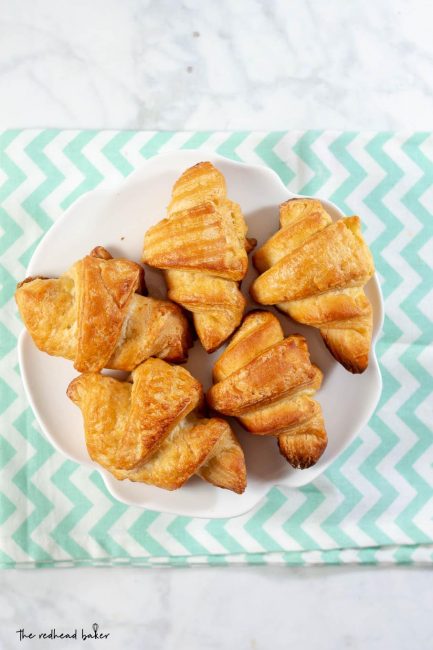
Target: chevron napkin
{"points": [[374, 504]]}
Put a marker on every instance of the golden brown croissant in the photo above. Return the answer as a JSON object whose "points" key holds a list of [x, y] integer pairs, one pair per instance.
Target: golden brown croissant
{"points": [[93, 316], [150, 430], [315, 270], [202, 248], [267, 381]]}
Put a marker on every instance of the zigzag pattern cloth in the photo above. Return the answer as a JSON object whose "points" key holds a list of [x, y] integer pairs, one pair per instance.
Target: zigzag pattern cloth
{"points": [[374, 504]]}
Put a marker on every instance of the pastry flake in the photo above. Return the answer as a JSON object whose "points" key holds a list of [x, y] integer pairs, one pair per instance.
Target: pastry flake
{"points": [[268, 382], [315, 270], [203, 249], [94, 316], [151, 430]]}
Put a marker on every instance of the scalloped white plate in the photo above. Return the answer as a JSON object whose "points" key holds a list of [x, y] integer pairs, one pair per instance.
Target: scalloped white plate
{"points": [[117, 218]]}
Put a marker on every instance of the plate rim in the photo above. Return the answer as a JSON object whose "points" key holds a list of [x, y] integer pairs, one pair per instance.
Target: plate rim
{"points": [[109, 190]]}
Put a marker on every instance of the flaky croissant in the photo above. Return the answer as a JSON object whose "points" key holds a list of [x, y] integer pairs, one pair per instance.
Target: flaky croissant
{"points": [[93, 316], [202, 248], [268, 382], [150, 430], [315, 270]]}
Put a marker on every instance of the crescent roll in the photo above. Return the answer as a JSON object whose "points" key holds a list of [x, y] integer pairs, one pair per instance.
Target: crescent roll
{"points": [[202, 248], [94, 316], [315, 270], [151, 431], [268, 382]]}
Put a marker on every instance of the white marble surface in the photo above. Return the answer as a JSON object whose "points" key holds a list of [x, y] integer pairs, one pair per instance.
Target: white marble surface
{"points": [[232, 64], [229, 608]]}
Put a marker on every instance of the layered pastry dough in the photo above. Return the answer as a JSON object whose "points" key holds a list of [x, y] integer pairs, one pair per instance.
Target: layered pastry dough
{"points": [[94, 316], [315, 270], [202, 248], [150, 430], [268, 383]]}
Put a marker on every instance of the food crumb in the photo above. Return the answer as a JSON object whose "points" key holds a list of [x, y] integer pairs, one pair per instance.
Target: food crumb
{"points": [[122, 238]]}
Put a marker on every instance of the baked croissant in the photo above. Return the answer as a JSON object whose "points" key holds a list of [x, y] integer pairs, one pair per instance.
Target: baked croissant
{"points": [[315, 270], [150, 430], [202, 248], [93, 316], [268, 382]]}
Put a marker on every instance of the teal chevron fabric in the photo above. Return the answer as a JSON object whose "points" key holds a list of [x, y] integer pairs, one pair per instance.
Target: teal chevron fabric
{"points": [[373, 505]]}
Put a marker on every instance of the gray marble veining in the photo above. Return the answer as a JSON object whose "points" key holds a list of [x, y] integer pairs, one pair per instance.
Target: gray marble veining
{"points": [[198, 64], [231, 64], [212, 609]]}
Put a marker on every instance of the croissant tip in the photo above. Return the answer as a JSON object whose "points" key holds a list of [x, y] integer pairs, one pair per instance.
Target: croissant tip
{"points": [[239, 488], [250, 244], [253, 292], [305, 455], [214, 347], [72, 390], [355, 369], [101, 253], [30, 279], [356, 365], [237, 482]]}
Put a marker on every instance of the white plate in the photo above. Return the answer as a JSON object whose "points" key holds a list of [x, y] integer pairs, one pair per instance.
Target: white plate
{"points": [[117, 218]]}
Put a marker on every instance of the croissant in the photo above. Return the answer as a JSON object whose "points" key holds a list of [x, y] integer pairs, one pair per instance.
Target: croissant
{"points": [[315, 270], [202, 248], [150, 430], [268, 382], [93, 316]]}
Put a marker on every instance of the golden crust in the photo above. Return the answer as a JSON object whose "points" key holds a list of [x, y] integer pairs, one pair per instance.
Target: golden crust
{"points": [[259, 331], [94, 316], [150, 431], [202, 247], [217, 304], [305, 448], [267, 381], [315, 270], [200, 183], [104, 290], [198, 239]]}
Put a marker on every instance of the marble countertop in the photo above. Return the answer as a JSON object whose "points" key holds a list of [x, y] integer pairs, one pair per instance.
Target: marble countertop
{"points": [[225, 608], [198, 64]]}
